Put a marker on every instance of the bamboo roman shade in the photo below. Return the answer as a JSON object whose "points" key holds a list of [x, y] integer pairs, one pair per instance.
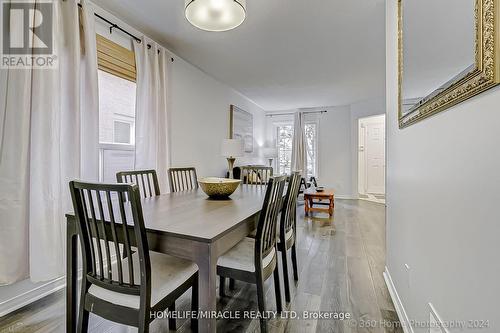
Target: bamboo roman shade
{"points": [[115, 59]]}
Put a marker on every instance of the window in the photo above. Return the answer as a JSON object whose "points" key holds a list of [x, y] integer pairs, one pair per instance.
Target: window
{"points": [[284, 142], [285, 139], [311, 149], [122, 132], [116, 109], [117, 89]]}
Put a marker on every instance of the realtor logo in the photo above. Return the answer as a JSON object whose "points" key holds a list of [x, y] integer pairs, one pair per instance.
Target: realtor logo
{"points": [[27, 36]]}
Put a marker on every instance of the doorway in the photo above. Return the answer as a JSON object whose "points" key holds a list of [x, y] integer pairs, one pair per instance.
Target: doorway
{"points": [[371, 158]]}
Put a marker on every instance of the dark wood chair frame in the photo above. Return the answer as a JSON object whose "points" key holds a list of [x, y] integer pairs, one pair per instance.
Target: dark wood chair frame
{"points": [[93, 227], [265, 242], [303, 186], [287, 223], [313, 182], [262, 174], [182, 179], [148, 187]]}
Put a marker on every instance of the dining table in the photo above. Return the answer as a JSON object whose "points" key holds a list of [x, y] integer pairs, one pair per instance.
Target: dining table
{"points": [[187, 225]]}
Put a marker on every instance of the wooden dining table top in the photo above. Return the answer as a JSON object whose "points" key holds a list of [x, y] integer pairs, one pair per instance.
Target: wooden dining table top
{"points": [[325, 193], [193, 215]]}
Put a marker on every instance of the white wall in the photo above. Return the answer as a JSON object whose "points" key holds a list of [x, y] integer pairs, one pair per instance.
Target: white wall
{"points": [[334, 147], [200, 120], [334, 141], [443, 193], [199, 107]]}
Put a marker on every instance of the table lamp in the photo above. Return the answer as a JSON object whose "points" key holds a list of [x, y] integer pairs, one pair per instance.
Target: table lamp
{"points": [[231, 148], [270, 153]]}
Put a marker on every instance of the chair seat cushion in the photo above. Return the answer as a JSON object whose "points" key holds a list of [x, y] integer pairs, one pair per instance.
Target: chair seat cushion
{"points": [[241, 256], [167, 274]]}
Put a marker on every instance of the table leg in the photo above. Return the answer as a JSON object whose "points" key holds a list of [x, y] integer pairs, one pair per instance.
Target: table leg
{"points": [[207, 266], [71, 281], [330, 208], [306, 205]]}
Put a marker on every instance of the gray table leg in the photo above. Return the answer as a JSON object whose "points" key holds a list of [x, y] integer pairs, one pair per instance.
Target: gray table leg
{"points": [[71, 280], [207, 265]]}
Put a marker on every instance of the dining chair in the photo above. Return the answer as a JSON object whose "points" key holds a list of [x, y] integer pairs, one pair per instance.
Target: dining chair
{"points": [[313, 181], [304, 185], [146, 180], [288, 230], [255, 175], [182, 179], [130, 290], [254, 260]]}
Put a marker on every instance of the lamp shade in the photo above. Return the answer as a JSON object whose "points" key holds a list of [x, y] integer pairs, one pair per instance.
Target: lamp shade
{"points": [[270, 152], [232, 148], [215, 15]]}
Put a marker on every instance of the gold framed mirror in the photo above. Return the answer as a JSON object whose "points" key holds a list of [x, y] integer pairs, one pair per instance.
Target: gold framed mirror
{"points": [[448, 53]]}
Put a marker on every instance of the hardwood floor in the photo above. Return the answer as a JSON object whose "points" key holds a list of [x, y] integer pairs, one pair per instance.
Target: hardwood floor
{"points": [[341, 260]]}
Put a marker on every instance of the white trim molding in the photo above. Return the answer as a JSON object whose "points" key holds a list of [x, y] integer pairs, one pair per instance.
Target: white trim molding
{"points": [[345, 197], [26, 292], [403, 317], [29, 294]]}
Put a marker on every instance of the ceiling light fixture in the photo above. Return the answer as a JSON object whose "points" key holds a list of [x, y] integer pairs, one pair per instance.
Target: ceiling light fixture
{"points": [[215, 15]]}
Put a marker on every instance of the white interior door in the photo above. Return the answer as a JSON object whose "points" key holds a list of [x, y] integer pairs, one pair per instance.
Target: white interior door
{"points": [[375, 155]]}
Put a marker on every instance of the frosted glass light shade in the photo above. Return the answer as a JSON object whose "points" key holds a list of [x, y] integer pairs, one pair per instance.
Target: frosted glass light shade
{"points": [[231, 148], [215, 15]]}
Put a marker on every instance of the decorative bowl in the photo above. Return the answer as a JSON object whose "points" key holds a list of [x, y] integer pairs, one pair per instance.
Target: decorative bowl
{"points": [[219, 188]]}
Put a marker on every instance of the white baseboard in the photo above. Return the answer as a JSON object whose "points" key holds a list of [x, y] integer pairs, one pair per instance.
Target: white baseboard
{"points": [[403, 317], [29, 293], [345, 197], [374, 201]]}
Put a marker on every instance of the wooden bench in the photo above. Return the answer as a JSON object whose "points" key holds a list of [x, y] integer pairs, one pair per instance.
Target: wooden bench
{"points": [[311, 194]]}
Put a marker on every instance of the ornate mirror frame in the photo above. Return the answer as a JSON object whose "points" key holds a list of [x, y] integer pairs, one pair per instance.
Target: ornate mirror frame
{"points": [[473, 81]]}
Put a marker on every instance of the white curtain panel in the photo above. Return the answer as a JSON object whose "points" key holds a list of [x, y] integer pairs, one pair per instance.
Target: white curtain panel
{"points": [[151, 116], [14, 174], [55, 114], [299, 161]]}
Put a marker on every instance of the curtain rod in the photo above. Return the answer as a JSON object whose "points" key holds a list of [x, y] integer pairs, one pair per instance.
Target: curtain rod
{"points": [[290, 113], [116, 26]]}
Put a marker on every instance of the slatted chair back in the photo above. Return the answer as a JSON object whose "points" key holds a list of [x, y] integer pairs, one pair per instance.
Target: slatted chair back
{"points": [[313, 181], [182, 179], [146, 180], [303, 185], [289, 211], [265, 239], [256, 175], [108, 224]]}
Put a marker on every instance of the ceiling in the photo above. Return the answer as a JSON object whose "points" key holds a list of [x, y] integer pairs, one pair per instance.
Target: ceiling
{"points": [[287, 54]]}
